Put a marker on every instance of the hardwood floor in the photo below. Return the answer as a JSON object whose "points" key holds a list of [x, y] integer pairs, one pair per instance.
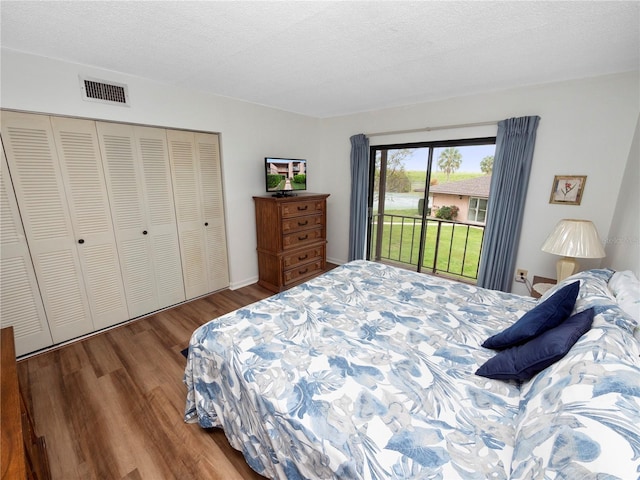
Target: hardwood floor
{"points": [[111, 406]]}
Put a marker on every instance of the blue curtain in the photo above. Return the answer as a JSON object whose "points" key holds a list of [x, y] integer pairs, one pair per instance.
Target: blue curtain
{"points": [[359, 196], [509, 181]]}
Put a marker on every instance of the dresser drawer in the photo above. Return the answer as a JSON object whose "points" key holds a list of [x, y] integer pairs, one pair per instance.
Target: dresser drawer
{"points": [[302, 223], [299, 239], [303, 271], [303, 256], [298, 209]]}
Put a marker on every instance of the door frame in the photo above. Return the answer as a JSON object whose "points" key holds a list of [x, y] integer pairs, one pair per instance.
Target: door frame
{"points": [[431, 145]]}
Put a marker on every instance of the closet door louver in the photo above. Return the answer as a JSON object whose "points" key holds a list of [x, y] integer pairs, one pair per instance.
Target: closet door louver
{"points": [[189, 218], [20, 302], [37, 181], [208, 152], [137, 170], [195, 165], [129, 217], [81, 167], [152, 150]]}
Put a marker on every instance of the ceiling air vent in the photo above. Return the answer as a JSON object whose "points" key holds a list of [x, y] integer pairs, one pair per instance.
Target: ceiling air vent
{"points": [[100, 91]]}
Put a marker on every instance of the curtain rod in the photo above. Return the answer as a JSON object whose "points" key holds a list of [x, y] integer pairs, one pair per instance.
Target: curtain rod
{"points": [[430, 129]]}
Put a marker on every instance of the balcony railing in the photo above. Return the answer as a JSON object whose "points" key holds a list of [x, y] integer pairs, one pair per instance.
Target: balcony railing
{"points": [[450, 248]]}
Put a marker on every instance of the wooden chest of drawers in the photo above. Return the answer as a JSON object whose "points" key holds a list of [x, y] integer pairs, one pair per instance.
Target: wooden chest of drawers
{"points": [[24, 454], [292, 238]]}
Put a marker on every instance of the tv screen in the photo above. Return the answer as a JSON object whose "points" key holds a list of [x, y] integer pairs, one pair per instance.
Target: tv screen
{"points": [[285, 176]]}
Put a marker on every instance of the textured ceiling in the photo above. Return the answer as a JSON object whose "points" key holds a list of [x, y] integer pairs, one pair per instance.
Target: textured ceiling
{"points": [[331, 58]]}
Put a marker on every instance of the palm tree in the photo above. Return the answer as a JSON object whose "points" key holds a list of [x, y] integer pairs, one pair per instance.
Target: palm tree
{"points": [[486, 164], [449, 160]]}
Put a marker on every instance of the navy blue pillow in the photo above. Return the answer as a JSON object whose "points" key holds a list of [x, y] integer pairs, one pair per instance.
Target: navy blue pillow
{"points": [[541, 318], [524, 361]]}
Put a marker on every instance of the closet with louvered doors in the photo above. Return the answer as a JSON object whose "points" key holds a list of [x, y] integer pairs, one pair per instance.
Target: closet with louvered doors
{"points": [[197, 183], [119, 222], [20, 303], [136, 165]]}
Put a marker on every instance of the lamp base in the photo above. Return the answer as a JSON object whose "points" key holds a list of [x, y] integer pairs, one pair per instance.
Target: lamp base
{"points": [[566, 267]]}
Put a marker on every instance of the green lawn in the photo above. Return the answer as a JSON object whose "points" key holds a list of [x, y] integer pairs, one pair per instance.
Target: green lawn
{"points": [[417, 177], [402, 245]]}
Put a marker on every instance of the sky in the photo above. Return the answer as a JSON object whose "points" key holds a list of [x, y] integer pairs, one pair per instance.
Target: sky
{"points": [[471, 157]]}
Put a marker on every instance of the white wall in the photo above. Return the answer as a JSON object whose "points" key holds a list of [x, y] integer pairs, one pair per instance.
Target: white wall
{"points": [[623, 241], [248, 132], [586, 128]]}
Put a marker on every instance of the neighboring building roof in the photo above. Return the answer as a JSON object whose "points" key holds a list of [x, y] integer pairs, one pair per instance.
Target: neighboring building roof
{"points": [[472, 187]]}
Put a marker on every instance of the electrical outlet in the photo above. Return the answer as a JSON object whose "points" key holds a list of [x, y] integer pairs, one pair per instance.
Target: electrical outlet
{"points": [[521, 275]]}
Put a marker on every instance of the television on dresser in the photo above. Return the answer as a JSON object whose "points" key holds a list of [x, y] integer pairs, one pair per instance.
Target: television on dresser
{"points": [[285, 176]]}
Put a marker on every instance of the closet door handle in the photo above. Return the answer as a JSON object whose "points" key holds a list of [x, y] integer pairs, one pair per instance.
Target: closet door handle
{"points": [[81, 241], [206, 224], [144, 232]]}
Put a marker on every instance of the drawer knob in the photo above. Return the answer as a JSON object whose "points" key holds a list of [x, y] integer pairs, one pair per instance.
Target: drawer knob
{"points": [[303, 271], [304, 257], [302, 224], [303, 208], [303, 238], [144, 232], [81, 241]]}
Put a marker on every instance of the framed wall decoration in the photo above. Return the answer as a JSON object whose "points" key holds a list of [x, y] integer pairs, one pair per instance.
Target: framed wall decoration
{"points": [[567, 189]]}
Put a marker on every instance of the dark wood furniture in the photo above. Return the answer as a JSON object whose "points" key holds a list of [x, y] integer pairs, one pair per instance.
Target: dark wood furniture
{"points": [[543, 284], [24, 454], [292, 238]]}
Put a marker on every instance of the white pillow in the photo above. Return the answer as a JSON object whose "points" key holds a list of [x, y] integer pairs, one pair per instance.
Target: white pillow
{"points": [[626, 289]]}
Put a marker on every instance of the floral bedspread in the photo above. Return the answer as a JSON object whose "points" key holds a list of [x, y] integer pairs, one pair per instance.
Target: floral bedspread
{"points": [[367, 372], [580, 418]]}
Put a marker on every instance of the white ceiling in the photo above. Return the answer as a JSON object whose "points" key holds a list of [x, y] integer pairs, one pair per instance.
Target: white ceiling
{"points": [[323, 58]]}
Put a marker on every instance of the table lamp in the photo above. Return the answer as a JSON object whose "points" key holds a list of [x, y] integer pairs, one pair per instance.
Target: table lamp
{"points": [[573, 238]]}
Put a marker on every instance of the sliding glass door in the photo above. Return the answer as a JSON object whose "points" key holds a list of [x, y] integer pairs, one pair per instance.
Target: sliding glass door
{"points": [[427, 203]]}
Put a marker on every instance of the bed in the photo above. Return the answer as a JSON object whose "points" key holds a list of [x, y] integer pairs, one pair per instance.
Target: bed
{"points": [[369, 372]]}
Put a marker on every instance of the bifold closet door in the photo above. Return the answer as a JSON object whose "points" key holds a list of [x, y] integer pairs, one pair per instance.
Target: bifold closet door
{"points": [[37, 181], [153, 151], [195, 166], [81, 167], [136, 165], [20, 302], [208, 160]]}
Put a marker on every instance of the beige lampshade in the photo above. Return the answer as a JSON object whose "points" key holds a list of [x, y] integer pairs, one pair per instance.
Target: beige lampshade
{"points": [[573, 238]]}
